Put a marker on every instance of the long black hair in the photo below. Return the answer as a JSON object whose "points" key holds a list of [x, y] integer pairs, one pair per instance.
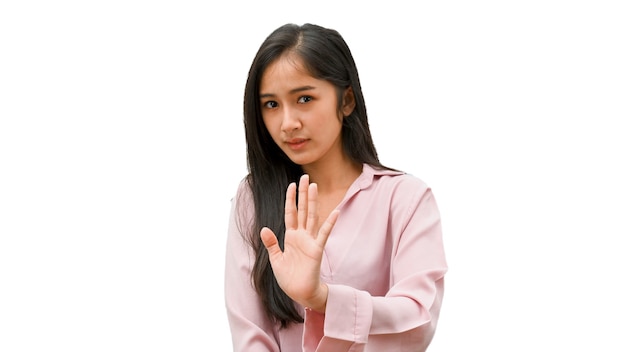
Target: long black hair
{"points": [[326, 56]]}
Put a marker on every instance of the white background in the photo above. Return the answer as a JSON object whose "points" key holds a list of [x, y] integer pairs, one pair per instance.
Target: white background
{"points": [[121, 144]]}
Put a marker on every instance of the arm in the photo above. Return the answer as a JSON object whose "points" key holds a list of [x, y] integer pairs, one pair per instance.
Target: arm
{"points": [[407, 314], [250, 328]]}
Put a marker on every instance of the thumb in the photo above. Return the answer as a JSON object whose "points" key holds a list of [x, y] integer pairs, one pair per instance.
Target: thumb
{"points": [[270, 242]]}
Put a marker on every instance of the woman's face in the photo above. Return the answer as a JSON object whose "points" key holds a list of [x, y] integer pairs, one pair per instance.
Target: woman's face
{"points": [[300, 113]]}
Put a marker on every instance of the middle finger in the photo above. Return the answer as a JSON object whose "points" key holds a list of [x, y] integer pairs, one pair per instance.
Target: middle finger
{"points": [[303, 191]]}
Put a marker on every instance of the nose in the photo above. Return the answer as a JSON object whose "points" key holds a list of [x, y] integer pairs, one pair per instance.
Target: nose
{"points": [[291, 120]]}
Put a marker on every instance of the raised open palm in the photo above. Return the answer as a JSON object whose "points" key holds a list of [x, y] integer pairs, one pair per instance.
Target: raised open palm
{"points": [[297, 267]]}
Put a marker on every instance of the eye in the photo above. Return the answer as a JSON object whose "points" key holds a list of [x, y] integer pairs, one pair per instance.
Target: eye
{"points": [[304, 99], [270, 104]]}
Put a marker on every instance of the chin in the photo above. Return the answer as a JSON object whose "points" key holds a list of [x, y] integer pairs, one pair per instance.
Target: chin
{"points": [[301, 161]]}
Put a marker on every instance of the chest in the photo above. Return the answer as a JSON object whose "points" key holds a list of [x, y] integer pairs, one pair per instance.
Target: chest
{"points": [[326, 204], [360, 249]]}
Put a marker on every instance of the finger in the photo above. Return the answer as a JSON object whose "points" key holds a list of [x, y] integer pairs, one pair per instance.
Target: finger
{"points": [[326, 228], [291, 216], [312, 216], [303, 190], [270, 242]]}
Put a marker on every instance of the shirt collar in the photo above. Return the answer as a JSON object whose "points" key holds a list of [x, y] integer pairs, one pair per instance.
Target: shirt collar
{"points": [[369, 173]]}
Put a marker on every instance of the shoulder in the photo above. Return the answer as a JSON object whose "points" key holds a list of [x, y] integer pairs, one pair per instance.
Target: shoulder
{"points": [[243, 199], [404, 191], [402, 194], [243, 189]]}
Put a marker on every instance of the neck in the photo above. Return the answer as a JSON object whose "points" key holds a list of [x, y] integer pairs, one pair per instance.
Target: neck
{"points": [[337, 178]]}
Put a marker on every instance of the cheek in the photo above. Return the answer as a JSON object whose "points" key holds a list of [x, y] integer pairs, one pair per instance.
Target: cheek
{"points": [[267, 122], [271, 126]]}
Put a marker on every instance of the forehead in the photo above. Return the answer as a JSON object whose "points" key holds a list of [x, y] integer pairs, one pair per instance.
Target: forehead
{"points": [[287, 70]]}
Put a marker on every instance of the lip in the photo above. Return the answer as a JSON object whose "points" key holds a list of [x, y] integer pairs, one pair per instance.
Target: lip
{"points": [[296, 143]]}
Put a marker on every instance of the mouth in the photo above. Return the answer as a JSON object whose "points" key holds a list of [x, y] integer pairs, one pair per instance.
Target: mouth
{"points": [[296, 143]]}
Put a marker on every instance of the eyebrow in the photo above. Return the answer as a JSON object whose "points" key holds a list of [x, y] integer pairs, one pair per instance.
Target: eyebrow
{"points": [[295, 90]]}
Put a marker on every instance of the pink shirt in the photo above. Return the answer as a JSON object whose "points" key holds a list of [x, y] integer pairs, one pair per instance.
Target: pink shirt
{"points": [[384, 264]]}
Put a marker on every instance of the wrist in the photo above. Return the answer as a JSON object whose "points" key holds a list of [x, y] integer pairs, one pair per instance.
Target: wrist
{"points": [[318, 302]]}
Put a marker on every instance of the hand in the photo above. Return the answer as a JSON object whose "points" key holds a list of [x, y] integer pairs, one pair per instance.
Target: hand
{"points": [[297, 268]]}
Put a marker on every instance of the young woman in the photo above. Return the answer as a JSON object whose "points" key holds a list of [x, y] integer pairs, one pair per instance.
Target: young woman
{"points": [[327, 250]]}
